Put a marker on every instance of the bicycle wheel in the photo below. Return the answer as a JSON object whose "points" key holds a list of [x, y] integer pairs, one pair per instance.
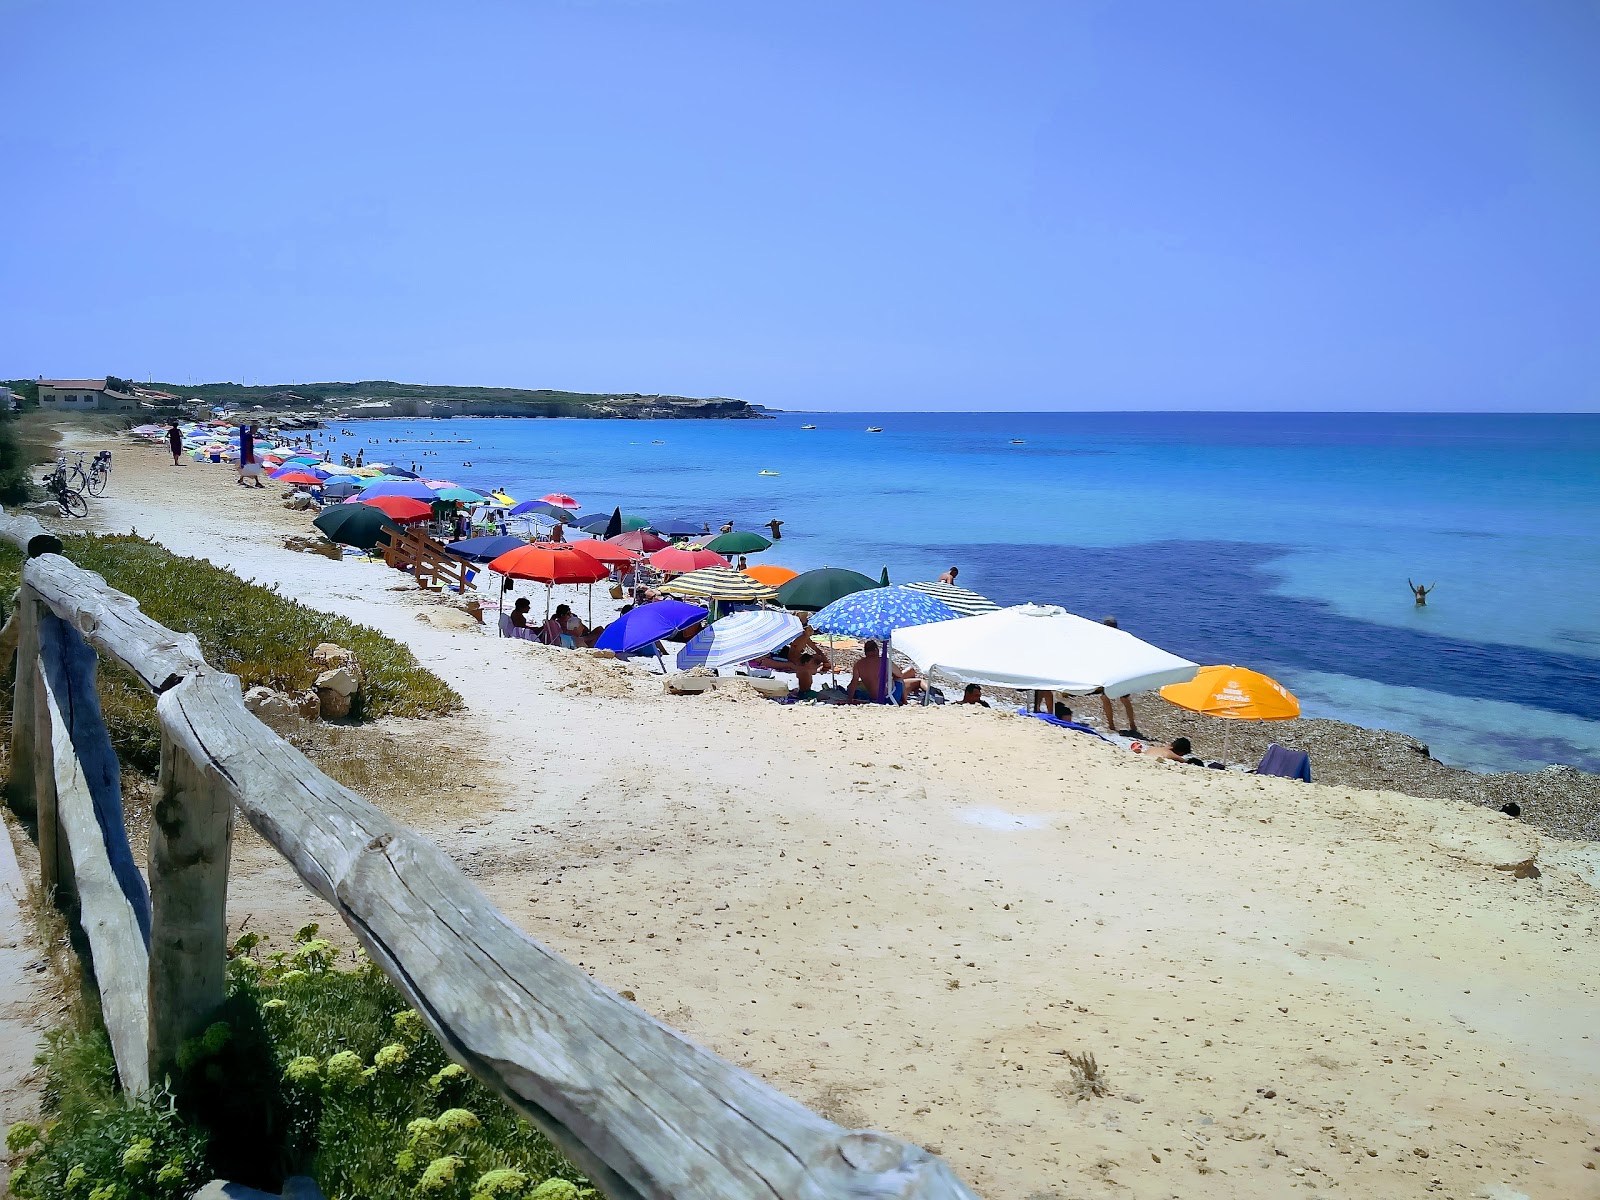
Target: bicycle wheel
{"points": [[97, 482], [73, 503], [76, 479]]}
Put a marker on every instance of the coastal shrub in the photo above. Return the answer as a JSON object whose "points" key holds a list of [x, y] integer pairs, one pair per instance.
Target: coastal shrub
{"points": [[254, 632], [307, 1069]]}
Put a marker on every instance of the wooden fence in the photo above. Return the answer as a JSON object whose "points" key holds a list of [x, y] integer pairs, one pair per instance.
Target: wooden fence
{"points": [[643, 1111], [418, 554]]}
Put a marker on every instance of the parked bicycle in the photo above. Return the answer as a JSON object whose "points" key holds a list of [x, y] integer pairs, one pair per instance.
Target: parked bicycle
{"points": [[99, 473], [59, 484]]}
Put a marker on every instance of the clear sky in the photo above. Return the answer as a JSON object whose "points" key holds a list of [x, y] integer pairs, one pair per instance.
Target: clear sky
{"points": [[831, 204]]}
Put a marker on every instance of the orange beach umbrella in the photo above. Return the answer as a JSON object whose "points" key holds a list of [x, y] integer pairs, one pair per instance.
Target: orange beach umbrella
{"points": [[771, 574], [1234, 692]]}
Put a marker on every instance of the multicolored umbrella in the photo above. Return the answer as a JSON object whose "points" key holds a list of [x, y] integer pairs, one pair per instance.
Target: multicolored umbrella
{"points": [[739, 637], [718, 583], [967, 604], [562, 499]]}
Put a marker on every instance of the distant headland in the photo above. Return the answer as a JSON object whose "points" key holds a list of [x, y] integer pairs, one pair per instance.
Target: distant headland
{"points": [[384, 398]]}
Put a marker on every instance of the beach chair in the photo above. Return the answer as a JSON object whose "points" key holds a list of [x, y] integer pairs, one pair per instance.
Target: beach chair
{"points": [[507, 629], [1285, 764]]}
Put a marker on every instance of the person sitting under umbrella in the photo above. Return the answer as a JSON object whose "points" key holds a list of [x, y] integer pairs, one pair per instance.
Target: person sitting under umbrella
{"points": [[564, 629], [519, 612], [866, 678]]}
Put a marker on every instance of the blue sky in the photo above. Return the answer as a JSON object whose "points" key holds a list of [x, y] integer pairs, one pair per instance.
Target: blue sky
{"points": [[927, 204]]}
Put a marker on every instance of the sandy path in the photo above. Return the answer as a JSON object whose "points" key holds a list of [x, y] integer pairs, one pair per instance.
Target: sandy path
{"points": [[907, 917]]}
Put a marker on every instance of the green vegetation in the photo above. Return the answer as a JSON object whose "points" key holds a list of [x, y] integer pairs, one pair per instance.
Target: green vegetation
{"points": [[16, 459], [254, 632], [537, 402], [308, 1069]]}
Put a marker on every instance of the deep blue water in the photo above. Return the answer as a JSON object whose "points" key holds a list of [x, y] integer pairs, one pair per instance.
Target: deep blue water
{"points": [[1282, 542]]}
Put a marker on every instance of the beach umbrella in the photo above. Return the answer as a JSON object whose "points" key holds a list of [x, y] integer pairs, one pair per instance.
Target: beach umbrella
{"points": [[771, 574], [968, 604], [604, 552], [338, 489], [739, 637], [460, 495], [357, 525], [411, 489], [677, 561], [1042, 647], [678, 528], [1233, 692], [647, 624], [561, 499], [403, 509], [397, 472], [739, 542], [595, 524], [883, 577], [483, 549], [540, 509], [332, 468], [641, 540], [298, 476], [877, 612], [718, 583], [814, 590], [550, 563]]}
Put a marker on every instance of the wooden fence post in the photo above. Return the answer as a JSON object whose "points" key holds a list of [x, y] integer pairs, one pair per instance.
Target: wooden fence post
{"points": [[55, 865], [24, 705], [191, 833]]}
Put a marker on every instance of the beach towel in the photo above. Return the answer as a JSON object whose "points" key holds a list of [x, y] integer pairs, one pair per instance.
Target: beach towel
{"points": [[1285, 764], [1051, 719]]}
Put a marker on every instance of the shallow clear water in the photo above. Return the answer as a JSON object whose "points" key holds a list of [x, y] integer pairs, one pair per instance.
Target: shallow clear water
{"points": [[1281, 542]]}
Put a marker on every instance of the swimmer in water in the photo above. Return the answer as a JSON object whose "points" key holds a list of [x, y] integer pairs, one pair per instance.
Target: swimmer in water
{"points": [[1421, 593]]}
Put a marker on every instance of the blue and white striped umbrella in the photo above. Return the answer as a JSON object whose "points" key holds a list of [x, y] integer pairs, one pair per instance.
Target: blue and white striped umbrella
{"points": [[878, 612], [739, 637]]}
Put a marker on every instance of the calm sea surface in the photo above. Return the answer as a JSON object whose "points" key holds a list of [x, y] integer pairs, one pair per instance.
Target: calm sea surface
{"points": [[1279, 542]]}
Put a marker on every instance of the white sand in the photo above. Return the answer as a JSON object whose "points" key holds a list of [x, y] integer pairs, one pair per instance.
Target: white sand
{"points": [[905, 917]]}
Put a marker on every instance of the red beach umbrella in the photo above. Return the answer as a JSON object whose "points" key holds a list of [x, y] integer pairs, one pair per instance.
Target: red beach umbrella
{"points": [[549, 563], [561, 500], [641, 540], [604, 552], [677, 561], [301, 477], [402, 509]]}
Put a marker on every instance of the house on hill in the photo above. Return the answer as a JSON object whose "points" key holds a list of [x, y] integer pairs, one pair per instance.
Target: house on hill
{"points": [[70, 395]]}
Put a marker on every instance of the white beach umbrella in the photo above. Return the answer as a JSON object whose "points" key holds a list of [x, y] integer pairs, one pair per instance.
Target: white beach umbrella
{"points": [[739, 637], [1042, 647]]}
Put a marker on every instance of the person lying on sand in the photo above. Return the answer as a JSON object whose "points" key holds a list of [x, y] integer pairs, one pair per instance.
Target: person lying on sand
{"points": [[1177, 750]]}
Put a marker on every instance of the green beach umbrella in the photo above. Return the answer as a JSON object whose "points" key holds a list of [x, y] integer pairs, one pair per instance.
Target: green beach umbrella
{"points": [[818, 589], [883, 580], [738, 543], [356, 525]]}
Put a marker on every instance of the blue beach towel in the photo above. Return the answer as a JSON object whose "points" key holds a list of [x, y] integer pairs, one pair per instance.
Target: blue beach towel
{"points": [[1051, 719], [1285, 764]]}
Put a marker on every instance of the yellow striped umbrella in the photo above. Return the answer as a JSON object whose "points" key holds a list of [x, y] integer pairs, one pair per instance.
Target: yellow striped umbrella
{"points": [[719, 583]]}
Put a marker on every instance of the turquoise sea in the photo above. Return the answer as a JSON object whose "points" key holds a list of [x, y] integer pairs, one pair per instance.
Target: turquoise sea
{"points": [[1280, 542]]}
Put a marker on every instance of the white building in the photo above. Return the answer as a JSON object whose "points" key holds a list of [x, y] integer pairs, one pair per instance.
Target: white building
{"points": [[77, 395]]}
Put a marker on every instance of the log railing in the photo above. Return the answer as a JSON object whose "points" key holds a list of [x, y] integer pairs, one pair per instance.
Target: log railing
{"points": [[643, 1111]]}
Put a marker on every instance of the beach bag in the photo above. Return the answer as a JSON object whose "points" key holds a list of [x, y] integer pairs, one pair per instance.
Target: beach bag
{"points": [[616, 591]]}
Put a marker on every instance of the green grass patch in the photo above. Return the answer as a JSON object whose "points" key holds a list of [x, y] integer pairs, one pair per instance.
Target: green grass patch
{"points": [[248, 630], [309, 1069]]}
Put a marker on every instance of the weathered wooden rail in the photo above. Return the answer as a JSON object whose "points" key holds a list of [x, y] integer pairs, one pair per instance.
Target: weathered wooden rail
{"points": [[645, 1112]]}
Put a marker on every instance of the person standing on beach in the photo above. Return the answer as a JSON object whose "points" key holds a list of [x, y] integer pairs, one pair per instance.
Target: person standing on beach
{"points": [[1127, 701], [175, 440], [1421, 593], [248, 466]]}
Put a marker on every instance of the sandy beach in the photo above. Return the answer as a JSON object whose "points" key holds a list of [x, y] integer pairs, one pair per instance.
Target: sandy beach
{"points": [[908, 917]]}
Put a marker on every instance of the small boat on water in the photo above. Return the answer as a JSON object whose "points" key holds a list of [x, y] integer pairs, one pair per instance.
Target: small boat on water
{"points": [[874, 429], [808, 427], [770, 472], [1018, 442]]}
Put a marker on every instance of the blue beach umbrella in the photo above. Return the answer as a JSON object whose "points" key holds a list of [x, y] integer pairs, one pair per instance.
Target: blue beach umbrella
{"points": [[644, 626], [739, 637], [410, 488], [338, 488], [878, 612], [538, 508], [483, 549], [679, 528]]}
